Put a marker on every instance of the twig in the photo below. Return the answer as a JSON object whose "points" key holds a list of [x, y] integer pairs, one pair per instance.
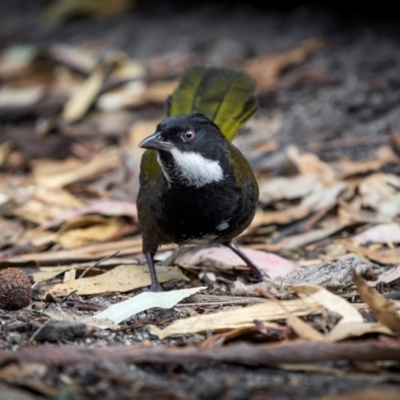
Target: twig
{"points": [[95, 264], [41, 327], [271, 354]]}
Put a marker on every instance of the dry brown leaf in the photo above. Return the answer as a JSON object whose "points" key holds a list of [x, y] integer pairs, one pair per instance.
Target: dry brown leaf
{"points": [[5, 150], [331, 302], [84, 229], [47, 273], [356, 329], [105, 207], [321, 198], [21, 97], [11, 231], [382, 309], [81, 100], [127, 96], [157, 92], [304, 238], [106, 160], [280, 188], [302, 329], [16, 60], [45, 204], [123, 278], [390, 275], [351, 212], [266, 69], [239, 318], [50, 273], [378, 188], [384, 233], [90, 252], [347, 168], [76, 58], [311, 164], [382, 256], [135, 94], [351, 324]]}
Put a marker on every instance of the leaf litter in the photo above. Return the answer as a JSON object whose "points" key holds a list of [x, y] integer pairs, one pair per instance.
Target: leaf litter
{"points": [[319, 227]]}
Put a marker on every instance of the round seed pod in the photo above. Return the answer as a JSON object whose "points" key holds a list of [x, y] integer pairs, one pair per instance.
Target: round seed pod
{"points": [[15, 289]]}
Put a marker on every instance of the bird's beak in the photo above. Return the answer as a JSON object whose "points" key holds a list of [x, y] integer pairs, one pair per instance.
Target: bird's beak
{"points": [[156, 142]]}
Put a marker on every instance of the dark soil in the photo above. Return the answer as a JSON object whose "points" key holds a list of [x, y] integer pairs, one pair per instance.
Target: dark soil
{"points": [[358, 98]]}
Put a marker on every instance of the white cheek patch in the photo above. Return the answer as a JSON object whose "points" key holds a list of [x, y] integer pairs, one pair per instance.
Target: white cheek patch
{"points": [[196, 169]]}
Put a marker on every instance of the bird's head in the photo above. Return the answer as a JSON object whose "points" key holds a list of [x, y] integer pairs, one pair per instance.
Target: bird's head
{"points": [[191, 149]]}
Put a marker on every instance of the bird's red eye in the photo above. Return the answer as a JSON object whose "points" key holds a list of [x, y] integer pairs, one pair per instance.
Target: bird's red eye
{"points": [[188, 135]]}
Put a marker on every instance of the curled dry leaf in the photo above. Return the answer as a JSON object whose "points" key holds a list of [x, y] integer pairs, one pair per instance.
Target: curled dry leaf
{"points": [[351, 323], [272, 264], [330, 301], [382, 309], [356, 329], [238, 318]]}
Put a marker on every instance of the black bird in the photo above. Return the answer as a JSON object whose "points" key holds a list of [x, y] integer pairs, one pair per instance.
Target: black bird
{"points": [[195, 186]]}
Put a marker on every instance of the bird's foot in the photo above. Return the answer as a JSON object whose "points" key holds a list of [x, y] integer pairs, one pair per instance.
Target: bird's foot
{"points": [[260, 274], [156, 287]]}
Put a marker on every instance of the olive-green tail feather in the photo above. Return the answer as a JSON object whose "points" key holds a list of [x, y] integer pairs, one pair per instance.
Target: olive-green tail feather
{"points": [[225, 96]]}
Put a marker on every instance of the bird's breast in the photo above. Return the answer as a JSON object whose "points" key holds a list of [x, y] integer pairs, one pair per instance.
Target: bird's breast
{"points": [[198, 215]]}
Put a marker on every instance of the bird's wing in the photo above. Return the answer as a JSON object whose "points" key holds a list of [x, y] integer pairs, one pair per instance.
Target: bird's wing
{"points": [[150, 170]]}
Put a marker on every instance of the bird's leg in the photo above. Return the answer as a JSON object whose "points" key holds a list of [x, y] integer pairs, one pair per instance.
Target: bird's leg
{"points": [[172, 258], [155, 285], [257, 270]]}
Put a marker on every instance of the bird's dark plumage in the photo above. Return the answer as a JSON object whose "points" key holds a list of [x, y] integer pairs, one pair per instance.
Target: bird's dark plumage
{"points": [[195, 186]]}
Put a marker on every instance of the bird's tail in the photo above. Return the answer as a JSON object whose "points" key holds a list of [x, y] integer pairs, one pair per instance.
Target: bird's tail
{"points": [[225, 96]]}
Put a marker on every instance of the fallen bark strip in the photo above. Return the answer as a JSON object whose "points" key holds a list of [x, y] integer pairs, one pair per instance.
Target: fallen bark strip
{"points": [[293, 353]]}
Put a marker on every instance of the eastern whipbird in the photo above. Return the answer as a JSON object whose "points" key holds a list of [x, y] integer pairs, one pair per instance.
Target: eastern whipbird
{"points": [[196, 187]]}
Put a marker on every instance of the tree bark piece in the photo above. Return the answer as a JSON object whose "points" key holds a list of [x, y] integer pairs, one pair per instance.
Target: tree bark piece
{"points": [[292, 353]]}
